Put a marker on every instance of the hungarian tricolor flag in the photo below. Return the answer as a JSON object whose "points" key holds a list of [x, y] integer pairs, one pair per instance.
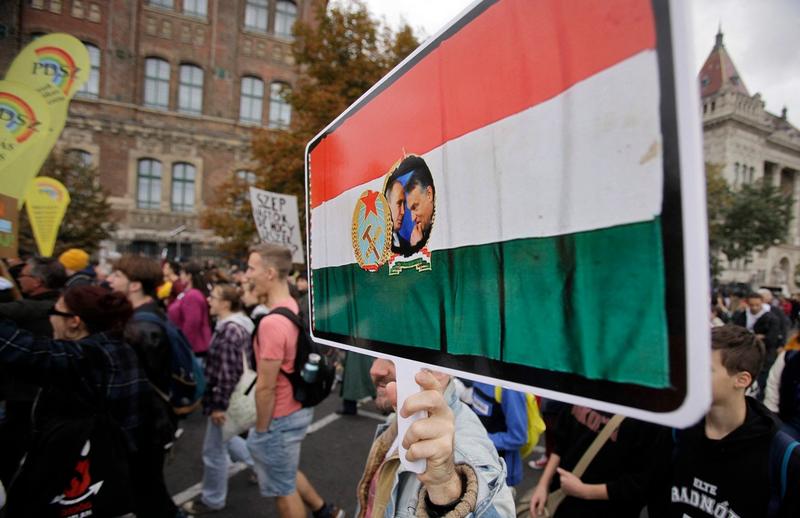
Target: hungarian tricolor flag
{"points": [[542, 246]]}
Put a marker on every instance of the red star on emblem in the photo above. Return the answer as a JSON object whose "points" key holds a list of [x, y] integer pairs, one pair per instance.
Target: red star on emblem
{"points": [[369, 199]]}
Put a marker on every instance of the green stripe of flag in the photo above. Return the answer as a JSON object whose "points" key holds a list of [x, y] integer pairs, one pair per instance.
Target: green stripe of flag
{"points": [[590, 303]]}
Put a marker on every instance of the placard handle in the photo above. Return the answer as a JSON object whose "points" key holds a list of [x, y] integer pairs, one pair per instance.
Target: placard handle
{"points": [[406, 371]]}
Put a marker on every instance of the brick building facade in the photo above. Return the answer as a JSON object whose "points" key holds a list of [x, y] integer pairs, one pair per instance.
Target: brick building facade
{"points": [[751, 143], [177, 88]]}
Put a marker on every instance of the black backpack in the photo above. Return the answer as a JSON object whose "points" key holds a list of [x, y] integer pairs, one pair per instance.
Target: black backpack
{"points": [[789, 391], [187, 381], [307, 394]]}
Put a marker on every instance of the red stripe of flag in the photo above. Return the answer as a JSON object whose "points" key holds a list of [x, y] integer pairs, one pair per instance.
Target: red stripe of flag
{"points": [[516, 54]]}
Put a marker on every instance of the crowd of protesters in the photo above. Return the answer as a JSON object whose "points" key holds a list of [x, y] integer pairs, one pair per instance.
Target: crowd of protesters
{"points": [[86, 368]]}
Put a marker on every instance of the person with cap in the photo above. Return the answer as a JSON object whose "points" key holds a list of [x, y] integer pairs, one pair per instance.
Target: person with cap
{"points": [[76, 263]]}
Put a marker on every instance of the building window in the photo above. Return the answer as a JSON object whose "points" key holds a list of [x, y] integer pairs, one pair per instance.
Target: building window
{"points": [[250, 106], [280, 112], [190, 90], [79, 157], [166, 4], [149, 184], [245, 176], [91, 88], [183, 187], [195, 8], [285, 15], [255, 15], [156, 83]]}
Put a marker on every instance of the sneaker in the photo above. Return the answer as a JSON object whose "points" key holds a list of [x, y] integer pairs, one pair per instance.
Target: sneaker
{"points": [[196, 507], [539, 463], [330, 511]]}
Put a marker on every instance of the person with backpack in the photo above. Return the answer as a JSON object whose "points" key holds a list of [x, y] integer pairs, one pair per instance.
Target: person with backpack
{"points": [[281, 420], [92, 416], [138, 278], [230, 348], [506, 421], [735, 461]]}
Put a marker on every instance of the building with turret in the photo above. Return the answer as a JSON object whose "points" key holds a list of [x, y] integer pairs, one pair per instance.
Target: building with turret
{"points": [[750, 143]]}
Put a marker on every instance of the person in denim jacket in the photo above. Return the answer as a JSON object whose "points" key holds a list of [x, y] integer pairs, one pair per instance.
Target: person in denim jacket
{"points": [[464, 476]]}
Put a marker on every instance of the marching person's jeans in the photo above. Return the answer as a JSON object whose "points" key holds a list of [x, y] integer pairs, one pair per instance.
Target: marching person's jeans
{"points": [[215, 460]]}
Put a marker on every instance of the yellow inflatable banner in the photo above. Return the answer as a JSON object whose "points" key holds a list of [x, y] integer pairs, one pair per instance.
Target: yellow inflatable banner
{"points": [[24, 121], [56, 66], [46, 202]]}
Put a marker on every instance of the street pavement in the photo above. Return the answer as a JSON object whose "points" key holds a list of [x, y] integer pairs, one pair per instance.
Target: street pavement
{"points": [[332, 458]]}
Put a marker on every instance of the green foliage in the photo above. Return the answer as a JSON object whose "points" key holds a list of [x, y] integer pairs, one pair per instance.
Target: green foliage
{"points": [[337, 60], [88, 219], [740, 222]]}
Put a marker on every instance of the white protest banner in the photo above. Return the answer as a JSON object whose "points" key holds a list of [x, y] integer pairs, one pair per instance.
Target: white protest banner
{"points": [[277, 220], [521, 202]]}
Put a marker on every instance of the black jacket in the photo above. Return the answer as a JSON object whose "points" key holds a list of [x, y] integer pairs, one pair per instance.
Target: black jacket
{"points": [[732, 473], [624, 463], [767, 325]]}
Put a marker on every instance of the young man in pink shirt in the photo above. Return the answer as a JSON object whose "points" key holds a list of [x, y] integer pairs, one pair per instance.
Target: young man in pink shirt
{"points": [[281, 422]]}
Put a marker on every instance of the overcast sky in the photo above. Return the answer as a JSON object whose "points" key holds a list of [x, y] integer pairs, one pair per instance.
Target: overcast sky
{"points": [[762, 38]]}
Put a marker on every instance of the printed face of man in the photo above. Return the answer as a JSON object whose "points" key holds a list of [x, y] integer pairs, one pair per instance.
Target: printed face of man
{"points": [[397, 205], [420, 203]]}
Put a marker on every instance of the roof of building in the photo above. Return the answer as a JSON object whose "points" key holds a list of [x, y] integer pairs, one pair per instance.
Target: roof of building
{"points": [[719, 72]]}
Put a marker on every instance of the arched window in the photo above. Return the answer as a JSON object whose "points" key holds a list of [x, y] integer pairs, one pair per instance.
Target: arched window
{"points": [[195, 8], [79, 157], [255, 15], [190, 90], [183, 187], [280, 111], [245, 176], [91, 88], [285, 16], [149, 184], [252, 98], [156, 83]]}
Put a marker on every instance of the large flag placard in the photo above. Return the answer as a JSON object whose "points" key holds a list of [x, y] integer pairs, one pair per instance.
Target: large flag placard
{"points": [[521, 201], [277, 220]]}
